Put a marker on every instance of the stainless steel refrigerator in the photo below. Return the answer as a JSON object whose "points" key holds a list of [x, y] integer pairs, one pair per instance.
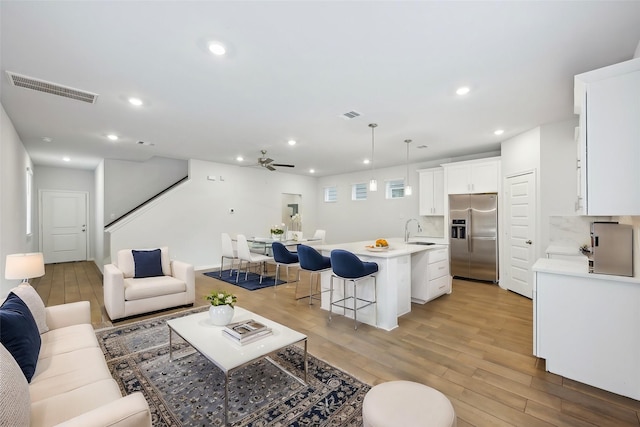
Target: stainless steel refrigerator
{"points": [[473, 238]]}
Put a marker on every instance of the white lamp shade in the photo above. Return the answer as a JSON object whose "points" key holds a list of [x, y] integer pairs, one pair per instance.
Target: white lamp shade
{"points": [[24, 266], [373, 185]]}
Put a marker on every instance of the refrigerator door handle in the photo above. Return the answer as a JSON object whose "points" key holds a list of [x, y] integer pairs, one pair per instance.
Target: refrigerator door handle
{"points": [[468, 236]]}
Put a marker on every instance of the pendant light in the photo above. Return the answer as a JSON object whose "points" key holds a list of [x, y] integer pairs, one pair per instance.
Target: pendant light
{"points": [[407, 187], [373, 184]]}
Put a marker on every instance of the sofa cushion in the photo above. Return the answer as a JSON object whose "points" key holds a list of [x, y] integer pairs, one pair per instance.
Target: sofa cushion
{"points": [[135, 289], [146, 263], [127, 266], [31, 298], [19, 334], [63, 406], [67, 371], [67, 339], [15, 405]]}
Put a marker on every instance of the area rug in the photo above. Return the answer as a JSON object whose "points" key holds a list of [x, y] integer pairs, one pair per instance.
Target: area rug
{"points": [[252, 282], [189, 391]]}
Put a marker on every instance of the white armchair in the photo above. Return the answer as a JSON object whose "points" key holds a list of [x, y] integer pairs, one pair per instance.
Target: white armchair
{"points": [[126, 294]]}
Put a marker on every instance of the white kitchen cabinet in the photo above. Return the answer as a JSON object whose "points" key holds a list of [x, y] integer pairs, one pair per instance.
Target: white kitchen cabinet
{"points": [[474, 176], [430, 276], [431, 192], [586, 325], [608, 101]]}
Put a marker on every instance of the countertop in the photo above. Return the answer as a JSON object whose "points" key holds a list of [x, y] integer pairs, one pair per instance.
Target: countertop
{"points": [[397, 247], [578, 269]]}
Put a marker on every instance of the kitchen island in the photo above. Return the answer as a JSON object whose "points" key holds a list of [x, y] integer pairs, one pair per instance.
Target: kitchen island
{"points": [[400, 268], [586, 325]]}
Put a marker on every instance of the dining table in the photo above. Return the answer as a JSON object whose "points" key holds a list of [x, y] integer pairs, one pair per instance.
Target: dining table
{"points": [[263, 244]]}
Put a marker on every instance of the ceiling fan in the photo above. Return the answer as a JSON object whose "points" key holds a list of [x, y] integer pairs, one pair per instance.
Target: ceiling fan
{"points": [[267, 163]]}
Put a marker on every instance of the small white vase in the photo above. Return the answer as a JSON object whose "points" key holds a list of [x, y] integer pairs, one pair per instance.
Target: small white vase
{"points": [[220, 315]]}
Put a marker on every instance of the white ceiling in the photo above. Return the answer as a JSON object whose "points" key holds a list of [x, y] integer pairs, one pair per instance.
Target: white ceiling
{"points": [[293, 68]]}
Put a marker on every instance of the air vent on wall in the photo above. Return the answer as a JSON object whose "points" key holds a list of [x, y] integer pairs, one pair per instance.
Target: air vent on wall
{"points": [[52, 88], [350, 115]]}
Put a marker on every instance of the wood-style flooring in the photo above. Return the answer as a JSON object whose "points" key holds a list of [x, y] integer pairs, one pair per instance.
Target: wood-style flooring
{"points": [[474, 345]]}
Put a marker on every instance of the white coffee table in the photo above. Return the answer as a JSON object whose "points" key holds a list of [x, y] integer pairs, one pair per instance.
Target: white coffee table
{"points": [[198, 331]]}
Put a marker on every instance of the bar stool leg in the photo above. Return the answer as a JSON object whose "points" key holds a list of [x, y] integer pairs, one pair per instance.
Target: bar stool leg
{"points": [[355, 305], [330, 297]]}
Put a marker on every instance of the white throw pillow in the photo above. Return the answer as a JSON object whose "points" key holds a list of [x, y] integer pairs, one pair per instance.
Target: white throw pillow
{"points": [[30, 296], [15, 401]]}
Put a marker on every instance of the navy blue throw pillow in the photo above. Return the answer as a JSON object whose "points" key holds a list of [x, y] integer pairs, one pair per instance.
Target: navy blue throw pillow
{"points": [[19, 334], [147, 263]]}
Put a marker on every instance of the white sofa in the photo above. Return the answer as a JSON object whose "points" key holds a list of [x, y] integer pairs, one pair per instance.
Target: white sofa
{"points": [[72, 385], [125, 295]]}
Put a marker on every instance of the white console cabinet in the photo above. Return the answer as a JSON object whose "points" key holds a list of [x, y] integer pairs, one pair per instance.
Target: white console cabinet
{"points": [[430, 276], [473, 176], [431, 192], [608, 102]]}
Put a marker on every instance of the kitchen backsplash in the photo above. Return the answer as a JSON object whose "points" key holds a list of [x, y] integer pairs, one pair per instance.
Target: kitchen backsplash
{"points": [[572, 231], [432, 226]]}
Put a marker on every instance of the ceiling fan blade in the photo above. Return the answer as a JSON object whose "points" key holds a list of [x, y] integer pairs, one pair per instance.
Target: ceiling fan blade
{"points": [[267, 160], [283, 165], [271, 168]]}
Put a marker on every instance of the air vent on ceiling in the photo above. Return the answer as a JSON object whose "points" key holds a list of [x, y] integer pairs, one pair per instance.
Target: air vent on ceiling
{"points": [[52, 88], [350, 115], [149, 144]]}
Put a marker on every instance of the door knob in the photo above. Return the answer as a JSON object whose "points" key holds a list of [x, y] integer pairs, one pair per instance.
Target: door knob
{"points": [[528, 242]]}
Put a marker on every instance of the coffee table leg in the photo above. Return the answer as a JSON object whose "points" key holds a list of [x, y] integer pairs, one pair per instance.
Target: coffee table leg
{"points": [[226, 398], [170, 345], [306, 366]]}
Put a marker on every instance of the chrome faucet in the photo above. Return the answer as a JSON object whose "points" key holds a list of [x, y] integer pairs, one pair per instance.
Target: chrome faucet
{"points": [[406, 228]]}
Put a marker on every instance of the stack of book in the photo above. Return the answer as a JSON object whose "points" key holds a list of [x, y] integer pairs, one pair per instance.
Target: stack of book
{"points": [[246, 331]]}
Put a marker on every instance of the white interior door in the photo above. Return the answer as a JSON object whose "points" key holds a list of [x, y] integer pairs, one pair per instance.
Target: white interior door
{"points": [[520, 230], [63, 217]]}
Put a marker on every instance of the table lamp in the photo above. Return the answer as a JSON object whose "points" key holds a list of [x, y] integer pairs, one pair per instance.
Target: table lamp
{"points": [[24, 266]]}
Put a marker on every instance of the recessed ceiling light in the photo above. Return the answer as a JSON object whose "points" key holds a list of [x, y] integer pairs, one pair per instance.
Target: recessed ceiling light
{"points": [[292, 142], [217, 48], [366, 161], [112, 137], [66, 159], [135, 101], [239, 158], [46, 139], [312, 171], [463, 90], [499, 132]]}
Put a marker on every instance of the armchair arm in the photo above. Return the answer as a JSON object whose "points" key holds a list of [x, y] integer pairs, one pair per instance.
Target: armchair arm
{"points": [[113, 289], [129, 411], [62, 315], [183, 271]]}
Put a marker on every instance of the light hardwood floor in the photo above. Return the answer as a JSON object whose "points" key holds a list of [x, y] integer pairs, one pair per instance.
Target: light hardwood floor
{"points": [[474, 345]]}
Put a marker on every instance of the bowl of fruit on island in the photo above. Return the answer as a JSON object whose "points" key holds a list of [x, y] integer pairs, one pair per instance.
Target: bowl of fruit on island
{"points": [[379, 245]]}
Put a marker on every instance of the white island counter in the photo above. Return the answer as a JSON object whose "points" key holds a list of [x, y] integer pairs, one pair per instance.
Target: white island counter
{"points": [[400, 268]]}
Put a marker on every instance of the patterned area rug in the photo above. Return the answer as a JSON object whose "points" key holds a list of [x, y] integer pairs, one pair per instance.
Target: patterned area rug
{"points": [[189, 391]]}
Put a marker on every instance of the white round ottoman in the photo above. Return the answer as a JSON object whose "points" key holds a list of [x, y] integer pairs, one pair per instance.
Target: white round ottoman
{"points": [[406, 404]]}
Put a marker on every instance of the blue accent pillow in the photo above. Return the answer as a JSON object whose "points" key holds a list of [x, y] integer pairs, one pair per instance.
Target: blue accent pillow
{"points": [[19, 334], [147, 263]]}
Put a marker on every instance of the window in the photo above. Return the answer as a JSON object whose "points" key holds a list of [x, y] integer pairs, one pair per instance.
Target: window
{"points": [[395, 189], [29, 195], [359, 191], [330, 194]]}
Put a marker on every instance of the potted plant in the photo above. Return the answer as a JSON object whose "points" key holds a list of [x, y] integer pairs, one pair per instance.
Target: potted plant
{"points": [[221, 310]]}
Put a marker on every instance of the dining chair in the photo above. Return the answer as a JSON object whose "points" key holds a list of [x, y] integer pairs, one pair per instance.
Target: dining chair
{"points": [[348, 267], [319, 235], [245, 255], [227, 252], [315, 263], [282, 256]]}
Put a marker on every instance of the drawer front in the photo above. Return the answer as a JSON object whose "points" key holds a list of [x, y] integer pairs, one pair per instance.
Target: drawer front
{"points": [[438, 269], [438, 255], [437, 287]]}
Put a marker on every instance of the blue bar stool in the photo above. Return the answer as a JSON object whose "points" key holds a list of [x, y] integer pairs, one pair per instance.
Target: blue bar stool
{"points": [[348, 267], [315, 263], [282, 256]]}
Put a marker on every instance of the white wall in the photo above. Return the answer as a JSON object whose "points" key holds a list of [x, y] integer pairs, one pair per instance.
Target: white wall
{"points": [[68, 179], [128, 184], [14, 162], [190, 218]]}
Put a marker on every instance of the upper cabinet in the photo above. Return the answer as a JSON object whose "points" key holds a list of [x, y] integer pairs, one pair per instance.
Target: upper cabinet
{"points": [[431, 192], [608, 101], [473, 176]]}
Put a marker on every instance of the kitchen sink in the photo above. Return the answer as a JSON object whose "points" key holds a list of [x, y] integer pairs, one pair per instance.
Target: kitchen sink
{"points": [[422, 243]]}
